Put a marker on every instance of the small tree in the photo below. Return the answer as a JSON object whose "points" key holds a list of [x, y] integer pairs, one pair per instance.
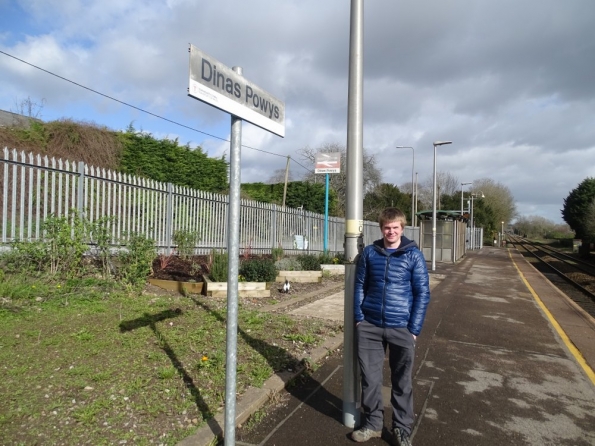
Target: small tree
{"points": [[576, 208]]}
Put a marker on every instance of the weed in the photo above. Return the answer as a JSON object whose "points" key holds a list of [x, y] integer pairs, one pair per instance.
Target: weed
{"points": [[166, 373], [255, 419], [303, 338]]}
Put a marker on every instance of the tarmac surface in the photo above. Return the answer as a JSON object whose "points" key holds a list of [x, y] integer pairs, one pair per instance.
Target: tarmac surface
{"points": [[504, 358]]}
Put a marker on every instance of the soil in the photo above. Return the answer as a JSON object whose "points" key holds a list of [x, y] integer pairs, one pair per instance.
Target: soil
{"points": [[173, 267]]}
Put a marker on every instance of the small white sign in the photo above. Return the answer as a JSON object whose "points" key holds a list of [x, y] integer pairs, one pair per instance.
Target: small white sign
{"points": [[217, 85], [328, 163]]}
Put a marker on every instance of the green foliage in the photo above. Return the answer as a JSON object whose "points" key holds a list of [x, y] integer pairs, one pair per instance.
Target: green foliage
{"points": [[309, 262], [288, 264], [310, 195], [66, 242], [576, 207], [136, 261], [166, 161], [186, 242], [25, 256], [327, 258], [101, 235], [383, 196], [277, 253], [259, 269], [219, 266]]}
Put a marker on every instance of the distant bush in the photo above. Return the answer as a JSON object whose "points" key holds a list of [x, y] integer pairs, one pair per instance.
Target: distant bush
{"points": [[258, 269], [309, 262], [288, 264]]}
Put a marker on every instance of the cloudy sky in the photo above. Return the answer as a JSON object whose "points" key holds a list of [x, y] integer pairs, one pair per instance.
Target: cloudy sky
{"points": [[511, 83]]}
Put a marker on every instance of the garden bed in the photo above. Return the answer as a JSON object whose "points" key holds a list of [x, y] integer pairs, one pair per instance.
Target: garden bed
{"points": [[245, 289]]}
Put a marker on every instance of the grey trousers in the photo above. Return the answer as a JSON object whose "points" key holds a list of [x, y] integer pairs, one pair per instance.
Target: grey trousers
{"points": [[372, 342]]}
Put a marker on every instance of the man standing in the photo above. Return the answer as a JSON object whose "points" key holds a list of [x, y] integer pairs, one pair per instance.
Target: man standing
{"points": [[392, 292]]}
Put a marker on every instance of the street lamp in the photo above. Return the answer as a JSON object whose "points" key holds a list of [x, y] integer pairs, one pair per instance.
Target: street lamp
{"points": [[462, 184], [412, 183], [436, 143], [474, 195], [502, 236]]}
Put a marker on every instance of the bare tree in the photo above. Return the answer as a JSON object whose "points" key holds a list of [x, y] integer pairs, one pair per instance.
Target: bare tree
{"points": [[498, 197], [278, 176], [446, 184], [29, 108], [338, 181]]}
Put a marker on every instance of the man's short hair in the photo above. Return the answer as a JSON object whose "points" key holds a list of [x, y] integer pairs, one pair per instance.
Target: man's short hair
{"points": [[390, 215]]}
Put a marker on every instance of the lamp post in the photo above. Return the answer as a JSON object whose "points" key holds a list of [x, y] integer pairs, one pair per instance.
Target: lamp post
{"points": [[412, 183], [502, 235], [462, 184], [436, 144], [415, 208], [474, 195]]}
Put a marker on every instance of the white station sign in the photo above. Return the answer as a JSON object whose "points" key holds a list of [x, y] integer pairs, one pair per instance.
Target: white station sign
{"points": [[328, 162], [217, 85]]}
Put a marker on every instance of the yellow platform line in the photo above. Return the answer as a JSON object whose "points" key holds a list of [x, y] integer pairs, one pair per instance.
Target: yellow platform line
{"points": [[575, 352]]}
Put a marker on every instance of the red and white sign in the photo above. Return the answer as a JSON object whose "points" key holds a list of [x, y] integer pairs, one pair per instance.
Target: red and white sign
{"points": [[328, 163]]}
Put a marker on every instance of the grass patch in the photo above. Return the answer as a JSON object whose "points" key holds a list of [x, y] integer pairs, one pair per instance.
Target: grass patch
{"points": [[88, 362]]}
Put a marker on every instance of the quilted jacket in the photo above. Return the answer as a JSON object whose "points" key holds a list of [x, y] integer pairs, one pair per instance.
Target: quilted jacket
{"points": [[392, 290]]}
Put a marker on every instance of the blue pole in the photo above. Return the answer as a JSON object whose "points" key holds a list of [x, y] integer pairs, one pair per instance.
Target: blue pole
{"points": [[326, 215]]}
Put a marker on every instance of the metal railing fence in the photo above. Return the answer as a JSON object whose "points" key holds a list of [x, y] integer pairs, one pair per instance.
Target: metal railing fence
{"points": [[36, 187]]}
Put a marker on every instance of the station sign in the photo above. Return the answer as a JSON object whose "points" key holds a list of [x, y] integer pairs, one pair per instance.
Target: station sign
{"points": [[220, 86], [328, 162]]}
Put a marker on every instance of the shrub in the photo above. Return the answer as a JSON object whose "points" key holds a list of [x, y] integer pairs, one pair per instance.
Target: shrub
{"points": [[66, 242], [277, 253], [259, 270], [326, 258], [219, 265], [309, 262], [136, 261], [101, 235], [186, 242], [288, 264], [25, 257]]}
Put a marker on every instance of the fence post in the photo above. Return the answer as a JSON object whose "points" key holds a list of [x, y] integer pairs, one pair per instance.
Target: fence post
{"points": [[80, 191], [169, 218], [274, 227]]}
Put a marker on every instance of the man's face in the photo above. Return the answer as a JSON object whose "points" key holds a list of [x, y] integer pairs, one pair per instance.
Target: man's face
{"points": [[391, 232]]}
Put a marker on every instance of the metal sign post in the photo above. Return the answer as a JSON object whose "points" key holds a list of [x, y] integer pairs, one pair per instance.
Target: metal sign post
{"points": [[327, 163], [354, 210], [224, 88]]}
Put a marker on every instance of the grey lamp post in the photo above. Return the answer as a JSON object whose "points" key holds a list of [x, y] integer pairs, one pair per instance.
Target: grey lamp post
{"points": [[412, 183], [473, 195], [436, 144], [462, 184]]}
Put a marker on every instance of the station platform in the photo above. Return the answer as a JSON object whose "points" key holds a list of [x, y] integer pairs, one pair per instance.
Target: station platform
{"points": [[504, 358]]}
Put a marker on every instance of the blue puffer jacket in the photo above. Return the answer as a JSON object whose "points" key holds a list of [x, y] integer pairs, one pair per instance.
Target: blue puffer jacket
{"points": [[393, 290]]}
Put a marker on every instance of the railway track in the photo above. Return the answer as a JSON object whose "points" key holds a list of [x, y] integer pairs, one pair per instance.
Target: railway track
{"points": [[573, 276]]}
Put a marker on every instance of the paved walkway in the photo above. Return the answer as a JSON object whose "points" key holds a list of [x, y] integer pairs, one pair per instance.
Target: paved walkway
{"points": [[504, 358]]}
